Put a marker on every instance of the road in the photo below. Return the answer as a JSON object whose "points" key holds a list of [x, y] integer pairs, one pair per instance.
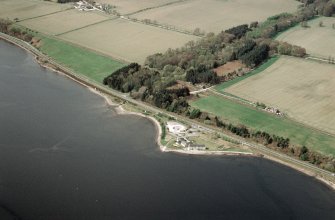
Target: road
{"points": [[104, 89]]}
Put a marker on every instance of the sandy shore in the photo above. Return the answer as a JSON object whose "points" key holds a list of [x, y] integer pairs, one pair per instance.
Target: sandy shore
{"points": [[120, 110]]}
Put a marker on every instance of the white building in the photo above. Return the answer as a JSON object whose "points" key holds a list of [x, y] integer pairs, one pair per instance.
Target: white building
{"points": [[175, 127], [193, 147]]}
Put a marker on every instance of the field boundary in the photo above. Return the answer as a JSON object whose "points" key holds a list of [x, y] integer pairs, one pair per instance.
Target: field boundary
{"points": [[155, 7], [56, 12], [282, 32], [220, 88], [161, 26], [89, 25], [286, 114], [42, 36]]}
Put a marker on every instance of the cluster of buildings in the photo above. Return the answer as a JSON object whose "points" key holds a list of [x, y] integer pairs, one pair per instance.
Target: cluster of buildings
{"points": [[188, 145], [182, 141], [85, 6], [273, 111]]}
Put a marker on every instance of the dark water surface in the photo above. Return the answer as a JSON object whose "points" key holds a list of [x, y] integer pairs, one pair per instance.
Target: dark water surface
{"points": [[65, 155]]}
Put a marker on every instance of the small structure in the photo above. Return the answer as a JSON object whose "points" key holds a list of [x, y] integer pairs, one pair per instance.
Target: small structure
{"points": [[85, 6], [175, 127], [273, 111], [183, 142], [200, 147]]}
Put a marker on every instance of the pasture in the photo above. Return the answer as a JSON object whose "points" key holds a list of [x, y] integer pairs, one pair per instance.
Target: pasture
{"points": [[24, 9], [318, 41], [126, 40], [82, 61], [236, 113], [303, 89], [216, 15], [54, 24]]}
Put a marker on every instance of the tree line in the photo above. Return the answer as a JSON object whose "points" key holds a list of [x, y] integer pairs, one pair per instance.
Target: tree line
{"points": [[149, 85], [157, 81], [66, 1], [6, 26]]}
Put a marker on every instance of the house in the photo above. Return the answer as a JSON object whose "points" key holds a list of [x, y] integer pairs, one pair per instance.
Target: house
{"points": [[199, 147], [183, 142]]}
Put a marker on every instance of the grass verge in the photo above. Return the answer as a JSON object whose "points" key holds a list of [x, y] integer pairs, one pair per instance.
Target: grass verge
{"points": [[236, 113]]}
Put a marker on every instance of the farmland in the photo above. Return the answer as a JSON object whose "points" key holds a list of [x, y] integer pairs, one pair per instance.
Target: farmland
{"points": [[317, 40], [305, 90], [237, 113], [126, 40], [119, 38], [131, 6], [54, 23], [82, 61], [24, 9], [221, 87], [215, 16]]}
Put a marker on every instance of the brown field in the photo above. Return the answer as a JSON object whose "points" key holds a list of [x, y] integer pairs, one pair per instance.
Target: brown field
{"points": [[303, 89], [54, 23], [215, 16], [229, 67], [318, 41], [130, 6], [23, 9], [126, 40]]}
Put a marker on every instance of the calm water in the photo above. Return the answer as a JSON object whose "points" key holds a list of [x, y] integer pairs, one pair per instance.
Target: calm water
{"points": [[65, 155]]}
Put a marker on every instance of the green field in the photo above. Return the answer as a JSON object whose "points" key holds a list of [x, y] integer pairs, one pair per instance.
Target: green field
{"points": [[223, 86], [80, 60], [257, 120]]}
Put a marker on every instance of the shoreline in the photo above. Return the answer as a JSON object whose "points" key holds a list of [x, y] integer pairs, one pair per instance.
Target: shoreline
{"points": [[121, 111]]}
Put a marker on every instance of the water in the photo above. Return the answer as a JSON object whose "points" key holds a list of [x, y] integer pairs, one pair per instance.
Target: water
{"points": [[64, 154]]}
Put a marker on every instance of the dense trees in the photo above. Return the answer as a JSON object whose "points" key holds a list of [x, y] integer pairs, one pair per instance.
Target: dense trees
{"points": [[66, 1], [196, 60], [291, 50], [321, 7], [149, 85], [238, 31], [256, 56], [245, 48], [201, 75], [7, 27]]}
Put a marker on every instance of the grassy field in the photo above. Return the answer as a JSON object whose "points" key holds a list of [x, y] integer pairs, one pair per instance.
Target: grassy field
{"points": [[215, 16], [317, 40], [239, 114], [54, 23], [23, 9], [126, 40], [80, 60], [303, 89], [223, 86]]}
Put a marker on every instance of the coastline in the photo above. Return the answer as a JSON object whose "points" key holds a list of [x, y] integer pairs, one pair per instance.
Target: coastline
{"points": [[329, 183], [120, 110]]}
